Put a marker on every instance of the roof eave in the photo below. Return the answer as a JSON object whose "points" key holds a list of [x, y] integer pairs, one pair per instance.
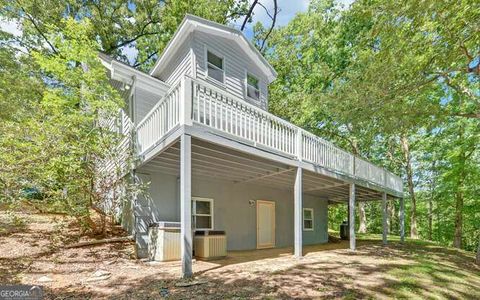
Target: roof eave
{"points": [[191, 23]]}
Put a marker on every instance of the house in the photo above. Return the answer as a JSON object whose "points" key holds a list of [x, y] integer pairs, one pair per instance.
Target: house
{"points": [[216, 159]]}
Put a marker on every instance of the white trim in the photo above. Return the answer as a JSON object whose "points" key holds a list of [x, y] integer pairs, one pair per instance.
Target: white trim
{"points": [[194, 211], [246, 86], [312, 219], [207, 49], [191, 23]]}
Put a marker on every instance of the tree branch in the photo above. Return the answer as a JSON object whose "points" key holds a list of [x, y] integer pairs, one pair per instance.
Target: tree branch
{"points": [[274, 19], [146, 59], [38, 30], [248, 15]]}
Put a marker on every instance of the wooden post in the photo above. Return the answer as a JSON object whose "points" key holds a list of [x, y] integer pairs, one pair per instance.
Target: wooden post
{"points": [[186, 101], [298, 213], [351, 206], [402, 220], [384, 217], [299, 144], [186, 204]]}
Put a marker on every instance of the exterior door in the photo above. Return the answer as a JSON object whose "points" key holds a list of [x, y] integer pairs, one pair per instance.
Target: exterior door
{"points": [[265, 224]]}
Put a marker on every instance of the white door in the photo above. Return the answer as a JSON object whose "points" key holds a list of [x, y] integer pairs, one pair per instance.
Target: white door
{"points": [[265, 224]]}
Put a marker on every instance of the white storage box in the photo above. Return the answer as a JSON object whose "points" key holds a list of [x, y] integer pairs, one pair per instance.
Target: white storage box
{"points": [[164, 241]]}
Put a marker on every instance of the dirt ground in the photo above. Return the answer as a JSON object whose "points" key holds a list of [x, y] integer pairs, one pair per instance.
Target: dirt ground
{"points": [[35, 254]]}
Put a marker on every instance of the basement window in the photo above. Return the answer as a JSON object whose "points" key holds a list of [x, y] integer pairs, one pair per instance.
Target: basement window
{"points": [[215, 68], [253, 89], [308, 219], [202, 213]]}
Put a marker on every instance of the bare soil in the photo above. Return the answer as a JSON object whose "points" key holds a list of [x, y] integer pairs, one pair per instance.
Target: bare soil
{"points": [[35, 251]]}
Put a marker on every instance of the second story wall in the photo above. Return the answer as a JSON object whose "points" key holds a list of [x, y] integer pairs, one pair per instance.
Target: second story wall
{"points": [[181, 64], [236, 64]]}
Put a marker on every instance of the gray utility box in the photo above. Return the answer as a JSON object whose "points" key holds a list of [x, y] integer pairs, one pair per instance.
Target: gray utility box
{"points": [[164, 241]]}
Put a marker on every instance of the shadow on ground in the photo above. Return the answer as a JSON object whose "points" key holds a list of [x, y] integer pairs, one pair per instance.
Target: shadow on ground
{"points": [[406, 271]]}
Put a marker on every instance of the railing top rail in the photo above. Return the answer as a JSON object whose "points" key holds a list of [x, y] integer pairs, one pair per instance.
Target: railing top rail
{"points": [[265, 114], [243, 102], [311, 135], [162, 99]]}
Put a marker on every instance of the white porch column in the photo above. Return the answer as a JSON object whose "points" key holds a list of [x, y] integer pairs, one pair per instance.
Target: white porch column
{"points": [[384, 217], [186, 101], [298, 214], [402, 220], [186, 204], [351, 224]]}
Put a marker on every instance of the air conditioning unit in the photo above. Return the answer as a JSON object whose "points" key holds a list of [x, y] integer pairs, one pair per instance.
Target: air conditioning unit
{"points": [[210, 244], [164, 241]]}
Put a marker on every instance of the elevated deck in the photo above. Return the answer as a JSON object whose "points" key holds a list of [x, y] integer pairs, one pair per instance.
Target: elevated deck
{"points": [[209, 113]]}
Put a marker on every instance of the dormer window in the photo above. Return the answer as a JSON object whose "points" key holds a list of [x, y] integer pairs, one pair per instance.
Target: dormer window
{"points": [[215, 68], [253, 90]]}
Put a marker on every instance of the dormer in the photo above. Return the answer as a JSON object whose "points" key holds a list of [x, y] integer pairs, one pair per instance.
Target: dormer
{"points": [[219, 55]]}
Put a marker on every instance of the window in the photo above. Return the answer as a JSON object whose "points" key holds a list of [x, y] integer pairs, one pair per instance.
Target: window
{"points": [[215, 68], [202, 213], [253, 90], [308, 219]]}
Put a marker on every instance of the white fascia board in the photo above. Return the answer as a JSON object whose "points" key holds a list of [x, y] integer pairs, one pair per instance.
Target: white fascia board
{"points": [[191, 23], [144, 81]]}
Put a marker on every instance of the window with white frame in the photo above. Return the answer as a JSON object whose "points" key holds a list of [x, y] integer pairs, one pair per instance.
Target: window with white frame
{"points": [[253, 88], [215, 67], [308, 219], [202, 213]]}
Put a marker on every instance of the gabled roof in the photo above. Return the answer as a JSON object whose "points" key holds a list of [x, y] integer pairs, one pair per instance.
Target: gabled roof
{"points": [[191, 23]]}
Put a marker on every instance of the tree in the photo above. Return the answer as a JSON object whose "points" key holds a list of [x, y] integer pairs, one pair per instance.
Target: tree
{"points": [[143, 27], [478, 252]]}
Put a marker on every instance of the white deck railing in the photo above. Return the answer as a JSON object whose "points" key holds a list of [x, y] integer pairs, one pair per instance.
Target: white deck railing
{"points": [[161, 119], [196, 101], [325, 154], [213, 108]]}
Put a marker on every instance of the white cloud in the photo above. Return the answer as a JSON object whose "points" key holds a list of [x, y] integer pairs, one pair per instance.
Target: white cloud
{"points": [[11, 27]]}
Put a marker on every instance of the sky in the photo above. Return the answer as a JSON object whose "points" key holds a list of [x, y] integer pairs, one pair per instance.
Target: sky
{"points": [[288, 9]]}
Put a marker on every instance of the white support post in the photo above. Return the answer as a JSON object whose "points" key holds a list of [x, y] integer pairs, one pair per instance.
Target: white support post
{"points": [[402, 220], [299, 144], [384, 217], [186, 204], [298, 214], [351, 223], [186, 99]]}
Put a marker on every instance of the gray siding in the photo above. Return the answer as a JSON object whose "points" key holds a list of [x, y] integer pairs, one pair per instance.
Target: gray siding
{"points": [[181, 64], [233, 212], [236, 64], [144, 102]]}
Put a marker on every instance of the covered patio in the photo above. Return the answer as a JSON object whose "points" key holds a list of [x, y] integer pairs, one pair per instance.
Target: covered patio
{"points": [[191, 156]]}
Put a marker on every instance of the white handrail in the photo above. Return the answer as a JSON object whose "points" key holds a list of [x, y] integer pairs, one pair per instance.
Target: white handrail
{"points": [[216, 108], [161, 118]]}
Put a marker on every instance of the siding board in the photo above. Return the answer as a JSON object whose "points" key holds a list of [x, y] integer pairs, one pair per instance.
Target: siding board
{"points": [[236, 64]]}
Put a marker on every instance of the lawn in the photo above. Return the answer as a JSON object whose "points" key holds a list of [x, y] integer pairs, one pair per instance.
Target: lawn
{"points": [[413, 270]]}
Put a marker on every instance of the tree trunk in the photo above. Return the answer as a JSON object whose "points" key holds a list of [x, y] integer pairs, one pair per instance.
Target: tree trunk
{"points": [[430, 221], [362, 218], [408, 170], [391, 214], [478, 251], [430, 203], [459, 197]]}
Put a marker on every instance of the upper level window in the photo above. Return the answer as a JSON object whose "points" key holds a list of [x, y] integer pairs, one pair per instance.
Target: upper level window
{"points": [[253, 90], [308, 219], [215, 68], [202, 213]]}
